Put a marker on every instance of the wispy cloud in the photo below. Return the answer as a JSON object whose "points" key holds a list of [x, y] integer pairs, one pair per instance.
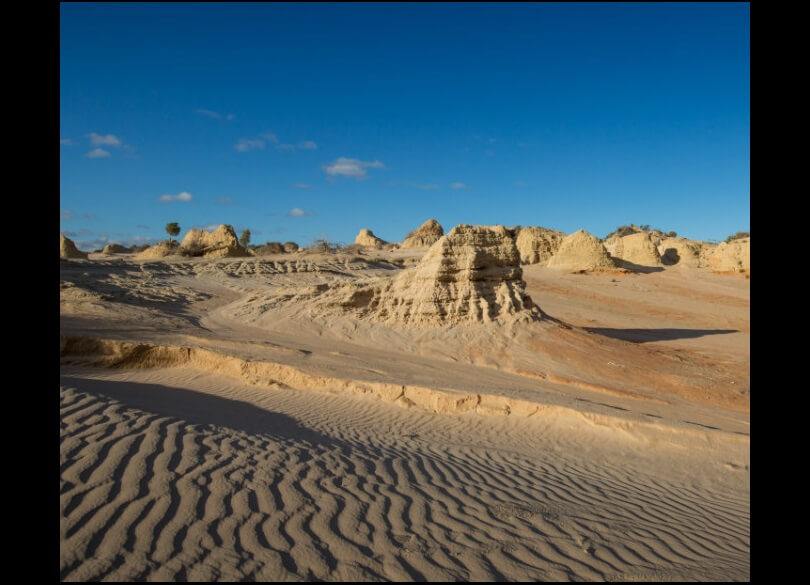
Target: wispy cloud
{"points": [[302, 185], [66, 214], [270, 137], [298, 212], [303, 145], [224, 201], [519, 184], [524, 144], [140, 226], [351, 167], [214, 115], [183, 196], [98, 153], [89, 215], [104, 140], [459, 186], [66, 142], [248, 144]]}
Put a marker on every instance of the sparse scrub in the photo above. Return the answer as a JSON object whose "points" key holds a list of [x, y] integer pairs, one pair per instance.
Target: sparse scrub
{"points": [[172, 229], [737, 236]]}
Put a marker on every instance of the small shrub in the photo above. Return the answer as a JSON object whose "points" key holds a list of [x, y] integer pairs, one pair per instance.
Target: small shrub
{"points": [[738, 236]]}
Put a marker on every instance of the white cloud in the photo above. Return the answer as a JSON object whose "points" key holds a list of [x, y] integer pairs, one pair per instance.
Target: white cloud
{"points": [[246, 144], [67, 214], [66, 142], [351, 167], [107, 140], [307, 145], [302, 185], [298, 212], [459, 186], [224, 200], [270, 137], [519, 184], [423, 187], [209, 113], [184, 196], [98, 153]]}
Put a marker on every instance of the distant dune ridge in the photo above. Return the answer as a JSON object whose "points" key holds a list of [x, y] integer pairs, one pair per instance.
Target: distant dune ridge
{"points": [[368, 239], [537, 245], [426, 234], [636, 248], [67, 249], [582, 251]]}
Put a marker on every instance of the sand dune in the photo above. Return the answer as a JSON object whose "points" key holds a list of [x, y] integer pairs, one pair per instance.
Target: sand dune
{"points": [[248, 419]]}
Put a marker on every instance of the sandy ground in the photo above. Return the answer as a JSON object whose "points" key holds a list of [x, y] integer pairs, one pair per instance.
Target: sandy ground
{"points": [[239, 423]]}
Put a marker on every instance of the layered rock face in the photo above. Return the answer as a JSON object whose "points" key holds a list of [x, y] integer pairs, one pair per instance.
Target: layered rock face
{"points": [[368, 239], [472, 274], [67, 249], [221, 243], [636, 248], [680, 251], [582, 251], [734, 255], [537, 245], [426, 234]]}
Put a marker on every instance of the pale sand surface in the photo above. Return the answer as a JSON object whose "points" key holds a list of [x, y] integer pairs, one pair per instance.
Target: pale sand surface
{"points": [[260, 432]]}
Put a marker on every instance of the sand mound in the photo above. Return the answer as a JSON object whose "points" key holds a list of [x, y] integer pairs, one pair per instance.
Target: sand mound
{"points": [[159, 250], [290, 247], [636, 248], [426, 234], [221, 243], [269, 248], [680, 251], [582, 251], [537, 245], [472, 274], [367, 238], [115, 249], [734, 255], [67, 249]]}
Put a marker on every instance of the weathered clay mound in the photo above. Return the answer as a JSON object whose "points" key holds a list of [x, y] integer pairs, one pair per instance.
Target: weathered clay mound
{"points": [[368, 239], [537, 245], [680, 252], [221, 243], [728, 256], [472, 274], [426, 234], [67, 249], [290, 247], [582, 251], [115, 249], [159, 250], [636, 248]]}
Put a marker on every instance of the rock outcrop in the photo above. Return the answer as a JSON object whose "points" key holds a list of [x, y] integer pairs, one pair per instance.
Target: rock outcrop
{"points": [[115, 249], [537, 245], [159, 250], [582, 251], [680, 252], [290, 247], [426, 234], [728, 256], [368, 239], [472, 274], [67, 249], [636, 248], [221, 243]]}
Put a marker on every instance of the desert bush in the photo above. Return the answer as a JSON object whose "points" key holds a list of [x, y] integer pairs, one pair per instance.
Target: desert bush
{"points": [[172, 229], [737, 236], [290, 247]]}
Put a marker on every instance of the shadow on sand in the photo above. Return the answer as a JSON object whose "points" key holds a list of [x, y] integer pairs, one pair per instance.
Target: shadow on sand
{"points": [[645, 335], [198, 408]]}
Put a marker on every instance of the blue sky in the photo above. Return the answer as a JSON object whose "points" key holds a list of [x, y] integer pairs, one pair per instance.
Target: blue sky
{"points": [[301, 121]]}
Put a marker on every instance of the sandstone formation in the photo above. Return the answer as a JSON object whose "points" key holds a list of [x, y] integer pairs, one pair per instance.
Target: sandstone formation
{"points": [[582, 251], [368, 239], [221, 243], [159, 250], [680, 251], [67, 249], [636, 248], [537, 245], [115, 249], [472, 274], [290, 247], [426, 234], [734, 255]]}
